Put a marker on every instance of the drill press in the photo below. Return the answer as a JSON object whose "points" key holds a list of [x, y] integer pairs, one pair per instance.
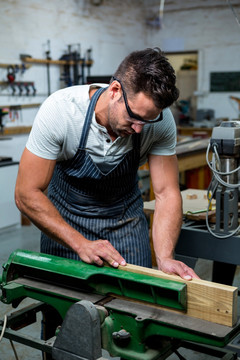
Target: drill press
{"points": [[225, 165]]}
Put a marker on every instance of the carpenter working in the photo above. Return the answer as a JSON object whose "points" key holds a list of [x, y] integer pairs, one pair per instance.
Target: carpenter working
{"points": [[86, 145]]}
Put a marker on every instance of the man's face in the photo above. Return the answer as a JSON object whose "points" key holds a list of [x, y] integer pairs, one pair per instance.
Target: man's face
{"points": [[119, 121]]}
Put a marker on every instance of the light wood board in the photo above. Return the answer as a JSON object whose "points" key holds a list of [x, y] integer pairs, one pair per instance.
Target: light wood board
{"points": [[195, 200], [195, 204], [205, 300]]}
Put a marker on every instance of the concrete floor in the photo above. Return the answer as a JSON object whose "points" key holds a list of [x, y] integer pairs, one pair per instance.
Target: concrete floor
{"points": [[27, 237]]}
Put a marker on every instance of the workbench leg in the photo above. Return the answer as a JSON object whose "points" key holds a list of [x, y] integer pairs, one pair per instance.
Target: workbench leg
{"points": [[50, 321]]}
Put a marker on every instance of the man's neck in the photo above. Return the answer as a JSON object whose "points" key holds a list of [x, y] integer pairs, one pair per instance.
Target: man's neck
{"points": [[101, 108], [101, 111]]}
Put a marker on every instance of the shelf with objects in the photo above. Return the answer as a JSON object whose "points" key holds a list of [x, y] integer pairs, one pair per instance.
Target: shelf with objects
{"points": [[74, 67], [74, 70]]}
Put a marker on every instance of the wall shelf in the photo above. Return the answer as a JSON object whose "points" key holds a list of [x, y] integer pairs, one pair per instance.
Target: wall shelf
{"points": [[23, 106], [16, 130], [56, 62], [14, 66]]}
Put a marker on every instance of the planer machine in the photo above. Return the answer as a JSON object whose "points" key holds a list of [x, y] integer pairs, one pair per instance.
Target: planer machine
{"points": [[132, 314]]}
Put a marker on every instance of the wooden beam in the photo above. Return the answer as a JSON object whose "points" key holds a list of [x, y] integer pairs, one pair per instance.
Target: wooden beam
{"points": [[16, 130], [19, 107], [205, 300], [14, 65], [57, 62], [192, 161]]}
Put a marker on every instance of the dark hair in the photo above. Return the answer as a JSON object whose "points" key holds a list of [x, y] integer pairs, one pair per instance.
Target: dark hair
{"points": [[149, 71]]}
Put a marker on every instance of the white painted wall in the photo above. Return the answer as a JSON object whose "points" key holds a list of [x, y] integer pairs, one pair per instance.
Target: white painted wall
{"points": [[210, 28], [13, 147], [10, 215], [112, 30]]}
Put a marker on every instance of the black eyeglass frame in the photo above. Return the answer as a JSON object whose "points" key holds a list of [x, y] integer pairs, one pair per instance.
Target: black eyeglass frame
{"points": [[131, 113]]}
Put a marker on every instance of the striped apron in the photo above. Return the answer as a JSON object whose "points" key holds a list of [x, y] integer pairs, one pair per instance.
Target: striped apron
{"points": [[101, 205]]}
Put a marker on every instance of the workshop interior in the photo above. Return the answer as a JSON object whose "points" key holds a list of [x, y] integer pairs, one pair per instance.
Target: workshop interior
{"points": [[135, 313]]}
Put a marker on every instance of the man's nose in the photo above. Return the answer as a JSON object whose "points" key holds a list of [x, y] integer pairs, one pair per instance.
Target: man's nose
{"points": [[137, 127]]}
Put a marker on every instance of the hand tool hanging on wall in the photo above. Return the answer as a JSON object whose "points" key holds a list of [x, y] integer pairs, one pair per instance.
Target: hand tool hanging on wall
{"points": [[17, 87], [66, 75], [89, 60], [72, 74], [86, 62], [3, 112], [76, 58], [14, 113], [12, 71], [10, 74], [23, 88], [48, 57]]}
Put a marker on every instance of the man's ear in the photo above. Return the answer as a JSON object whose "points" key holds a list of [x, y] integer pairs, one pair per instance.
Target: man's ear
{"points": [[115, 90]]}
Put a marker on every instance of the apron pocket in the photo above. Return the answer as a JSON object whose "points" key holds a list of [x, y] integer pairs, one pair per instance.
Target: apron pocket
{"points": [[90, 207]]}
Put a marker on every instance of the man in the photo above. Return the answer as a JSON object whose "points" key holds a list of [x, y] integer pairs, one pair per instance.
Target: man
{"points": [[85, 147]]}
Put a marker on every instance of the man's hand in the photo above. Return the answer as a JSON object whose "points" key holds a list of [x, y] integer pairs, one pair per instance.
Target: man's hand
{"points": [[171, 266], [98, 251]]}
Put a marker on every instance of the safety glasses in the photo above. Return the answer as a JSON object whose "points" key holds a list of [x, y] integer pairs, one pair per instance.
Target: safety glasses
{"points": [[132, 114]]}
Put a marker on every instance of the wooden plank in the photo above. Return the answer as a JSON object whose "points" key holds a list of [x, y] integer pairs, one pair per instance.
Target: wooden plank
{"points": [[205, 300], [194, 201], [57, 62], [19, 107], [191, 155], [15, 130], [186, 131], [14, 65], [197, 202], [191, 161]]}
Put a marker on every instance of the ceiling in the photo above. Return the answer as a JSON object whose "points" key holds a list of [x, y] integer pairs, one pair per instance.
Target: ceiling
{"points": [[179, 5]]}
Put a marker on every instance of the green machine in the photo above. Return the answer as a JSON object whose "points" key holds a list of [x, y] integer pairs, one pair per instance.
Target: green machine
{"points": [[97, 308]]}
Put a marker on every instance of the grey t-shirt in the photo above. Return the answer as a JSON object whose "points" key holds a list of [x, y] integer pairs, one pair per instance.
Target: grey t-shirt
{"points": [[57, 129]]}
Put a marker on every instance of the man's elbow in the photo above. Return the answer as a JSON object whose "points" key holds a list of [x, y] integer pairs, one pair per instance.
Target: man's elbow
{"points": [[18, 200], [21, 199]]}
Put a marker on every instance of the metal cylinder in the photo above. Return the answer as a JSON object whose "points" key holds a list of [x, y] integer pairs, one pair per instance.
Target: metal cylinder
{"points": [[227, 165]]}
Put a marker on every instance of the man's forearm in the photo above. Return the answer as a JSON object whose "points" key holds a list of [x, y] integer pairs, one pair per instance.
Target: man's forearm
{"points": [[167, 223], [46, 217], [39, 209]]}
